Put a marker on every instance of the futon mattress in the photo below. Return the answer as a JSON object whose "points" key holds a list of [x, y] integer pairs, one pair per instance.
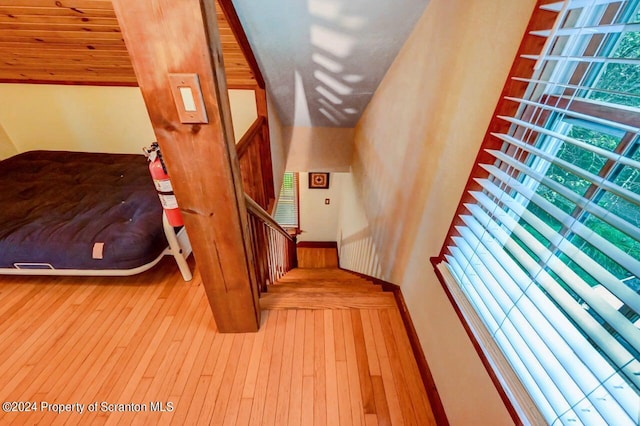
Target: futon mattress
{"points": [[75, 210]]}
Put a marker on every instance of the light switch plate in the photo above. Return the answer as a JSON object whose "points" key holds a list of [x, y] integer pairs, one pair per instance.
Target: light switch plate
{"points": [[187, 96]]}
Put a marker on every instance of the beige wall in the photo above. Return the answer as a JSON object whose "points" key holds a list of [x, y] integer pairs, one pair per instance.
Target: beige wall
{"points": [[89, 118], [243, 110], [77, 118], [7, 149], [319, 221], [318, 149], [413, 150]]}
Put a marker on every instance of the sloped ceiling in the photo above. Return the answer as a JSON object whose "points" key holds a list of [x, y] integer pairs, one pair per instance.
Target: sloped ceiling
{"points": [[323, 59], [79, 41]]}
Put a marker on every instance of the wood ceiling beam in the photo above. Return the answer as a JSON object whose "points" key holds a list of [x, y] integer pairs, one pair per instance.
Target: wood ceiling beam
{"points": [[168, 36]]}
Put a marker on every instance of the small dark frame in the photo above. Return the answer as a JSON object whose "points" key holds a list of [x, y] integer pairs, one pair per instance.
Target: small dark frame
{"points": [[318, 180]]}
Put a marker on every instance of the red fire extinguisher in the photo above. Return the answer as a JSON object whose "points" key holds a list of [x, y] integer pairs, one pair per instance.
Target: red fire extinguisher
{"points": [[163, 185]]}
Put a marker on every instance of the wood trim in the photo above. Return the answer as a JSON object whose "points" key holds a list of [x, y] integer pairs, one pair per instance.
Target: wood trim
{"points": [[249, 136], [261, 102], [254, 154], [267, 161], [522, 67], [297, 182], [258, 167], [423, 366], [230, 13], [528, 408], [594, 108], [318, 244]]}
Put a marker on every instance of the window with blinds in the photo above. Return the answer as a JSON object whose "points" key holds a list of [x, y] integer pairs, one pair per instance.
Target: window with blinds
{"points": [[286, 213], [547, 248]]}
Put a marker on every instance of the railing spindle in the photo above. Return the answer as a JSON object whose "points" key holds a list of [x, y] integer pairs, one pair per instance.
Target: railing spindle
{"points": [[273, 247]]}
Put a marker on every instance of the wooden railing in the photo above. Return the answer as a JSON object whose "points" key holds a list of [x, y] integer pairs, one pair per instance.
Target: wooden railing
{"points": [[274, 249], [254, 156]]}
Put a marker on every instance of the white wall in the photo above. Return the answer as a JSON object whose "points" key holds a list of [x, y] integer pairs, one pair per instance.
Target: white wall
{"points": [[7, 149], [90, 118], [319, 221], [413, 150]]}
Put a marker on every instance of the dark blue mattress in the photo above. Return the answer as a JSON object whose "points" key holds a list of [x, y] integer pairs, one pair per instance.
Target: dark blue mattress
{"points": [[76, 210]]}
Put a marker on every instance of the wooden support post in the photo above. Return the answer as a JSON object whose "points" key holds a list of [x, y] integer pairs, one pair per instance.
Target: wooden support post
{"points": [[168, 37]]}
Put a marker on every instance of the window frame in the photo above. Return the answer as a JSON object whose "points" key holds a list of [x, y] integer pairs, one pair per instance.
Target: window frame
{"points": [[517, 400], [295, 229]]}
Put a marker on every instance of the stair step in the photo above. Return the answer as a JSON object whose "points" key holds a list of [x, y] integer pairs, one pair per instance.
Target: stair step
{"points": [[301, 280], [317, 257], [319, 273], [310, 300], [324, 287], [328, 284]]}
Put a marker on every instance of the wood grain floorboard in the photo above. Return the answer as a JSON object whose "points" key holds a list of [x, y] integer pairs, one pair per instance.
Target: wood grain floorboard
{"points": [[258, 389], [311, 257], [355, 394], [319, 372], [145, 350], [297, 371]]}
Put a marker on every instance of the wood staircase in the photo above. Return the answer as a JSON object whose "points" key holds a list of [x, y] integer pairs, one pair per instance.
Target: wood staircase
{"points": [[349, 344], [325, 288]]}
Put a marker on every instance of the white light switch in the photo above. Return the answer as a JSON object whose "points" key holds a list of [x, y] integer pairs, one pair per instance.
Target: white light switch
{"points": [[187, 99]]}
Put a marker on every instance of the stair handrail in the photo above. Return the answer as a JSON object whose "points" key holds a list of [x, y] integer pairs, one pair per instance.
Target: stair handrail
{"points": [[266, 217], [273, 247]]}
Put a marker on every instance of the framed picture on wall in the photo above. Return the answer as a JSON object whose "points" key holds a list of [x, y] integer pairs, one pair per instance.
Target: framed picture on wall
{"points": [[318, 180]]}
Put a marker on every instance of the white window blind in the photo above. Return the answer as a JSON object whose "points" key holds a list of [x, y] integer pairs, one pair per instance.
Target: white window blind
{"points": [[286, 213], [547, 249]]}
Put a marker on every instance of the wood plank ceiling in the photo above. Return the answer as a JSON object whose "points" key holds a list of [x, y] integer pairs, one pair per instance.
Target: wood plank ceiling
{"points": [[79, 42]]}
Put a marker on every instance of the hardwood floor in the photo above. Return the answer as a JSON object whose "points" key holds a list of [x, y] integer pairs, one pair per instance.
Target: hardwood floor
{"points": [[151, 340]]}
